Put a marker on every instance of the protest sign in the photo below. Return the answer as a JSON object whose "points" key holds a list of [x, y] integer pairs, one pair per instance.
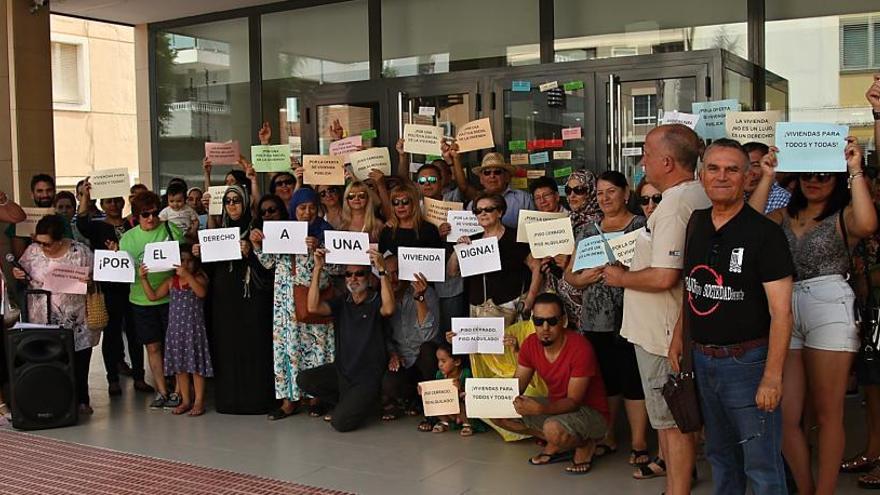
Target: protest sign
{"points": [[26, 227], [462, 223], [220, 244], [676, 117], [216, 205], [547, 86], [759, 127], [478, 336], [427, 111], [519, 158], [430, 262], [530, 216], [491, 398], [113, 266], [226, 153], [344, 147], [422, 139], [534, 174], [110, 183], [363, 162], [325, 170], [475, 135], [624, 245], [436, 211], [547, 239], [440, 397], [562, 155], [480, 256], [521, 86], [347, 248], [271, 157], [539, 158], [811, 147], [65, 279], [712, 117], [593, 251], [162, 256], [571, 133], [285, 237]]}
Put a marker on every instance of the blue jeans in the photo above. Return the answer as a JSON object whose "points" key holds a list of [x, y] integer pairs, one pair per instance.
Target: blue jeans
{"points": [[743, 443]]}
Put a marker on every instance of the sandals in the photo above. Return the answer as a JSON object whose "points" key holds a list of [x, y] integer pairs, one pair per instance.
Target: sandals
{"points": [[579, 468], [440, 427], [391, 413], [870, 480], [551, 458], [4, 410], [425, 426], [316, 410], [858, 464], [466, 430], [603, 450], [635, 455], [280, 413], [648, 471]]}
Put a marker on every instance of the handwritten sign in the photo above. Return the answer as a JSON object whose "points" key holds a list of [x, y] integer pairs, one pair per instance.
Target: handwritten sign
{"points": [[347, 248], [363, 162], [323, 170], [712, 117], [539, 158], [811, 147], [550, 238], [759, 127], [462, 223], [344, 147], [480, 256], [65, 279], [27, 227], [430, 262], [475, 135], [226, 153], [571, 133], [547, 86], [624, 246], [216, 205], [220, 244], [478, 336], [162, 256], [491, 398], [427, 111], [285, 237], [676, 117], [519, 158], [562, 155], [593, 251], [113, 266], [110, 183], [271, 157], [440, 397], [422, 139], [436, 211], [530, 216]]}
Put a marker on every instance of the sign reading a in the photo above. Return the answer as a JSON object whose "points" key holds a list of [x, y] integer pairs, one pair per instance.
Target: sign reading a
{"points": [[285, 237]]}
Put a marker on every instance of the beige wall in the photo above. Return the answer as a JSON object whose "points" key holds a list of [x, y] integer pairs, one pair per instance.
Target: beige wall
{"points": [[105, 134]]}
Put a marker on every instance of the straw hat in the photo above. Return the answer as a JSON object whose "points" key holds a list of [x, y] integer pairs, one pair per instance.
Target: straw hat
{"points": [[494, 160]]}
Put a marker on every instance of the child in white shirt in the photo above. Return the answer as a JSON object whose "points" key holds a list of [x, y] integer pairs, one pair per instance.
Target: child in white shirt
{"points": [[179, 213]]}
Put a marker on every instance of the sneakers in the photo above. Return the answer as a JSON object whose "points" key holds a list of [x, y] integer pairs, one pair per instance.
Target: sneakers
{"points": [[173, 400], [161, 402]]}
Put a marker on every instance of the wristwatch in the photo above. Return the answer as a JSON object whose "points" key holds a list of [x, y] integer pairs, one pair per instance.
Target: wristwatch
{"points": [[876, 114], [419, 297], [382, 272]]}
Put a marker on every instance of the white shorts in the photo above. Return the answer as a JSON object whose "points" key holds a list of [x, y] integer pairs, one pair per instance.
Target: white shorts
{"points": [[824, 316]]}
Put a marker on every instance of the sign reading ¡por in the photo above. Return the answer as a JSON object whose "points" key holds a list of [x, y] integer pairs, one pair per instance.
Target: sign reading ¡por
{"points": [[110, 183], [480, 256], [113, 266], [491, 397], [422, 139], [220, 244], [478, 335], [347, 248], [475, 135], [285, 237], [323, 170], [440, 397], [430, 262], [162, 256]]}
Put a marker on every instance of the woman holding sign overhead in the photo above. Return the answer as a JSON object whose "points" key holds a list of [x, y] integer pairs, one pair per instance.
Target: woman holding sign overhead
{"points": [[601, 316]]}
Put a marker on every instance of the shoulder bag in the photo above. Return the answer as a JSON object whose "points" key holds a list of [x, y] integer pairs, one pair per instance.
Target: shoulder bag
{"points": [[867, 316]]}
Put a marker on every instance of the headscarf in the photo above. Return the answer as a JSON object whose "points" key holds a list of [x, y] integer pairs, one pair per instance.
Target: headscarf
{"points": [[244, 221], [591, 212], [318, 226], [188, 191]]}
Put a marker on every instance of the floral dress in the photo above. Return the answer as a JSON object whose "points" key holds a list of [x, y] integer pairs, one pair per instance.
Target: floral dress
{"points": [[186, 341], [296, 346]]}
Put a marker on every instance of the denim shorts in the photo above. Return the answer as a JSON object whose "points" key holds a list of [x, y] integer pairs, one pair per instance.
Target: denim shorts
{"points": [[150, 323], [824, 315]]}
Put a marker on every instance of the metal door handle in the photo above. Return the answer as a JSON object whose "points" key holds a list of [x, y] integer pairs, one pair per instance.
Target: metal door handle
{"points": [[611, 119]]}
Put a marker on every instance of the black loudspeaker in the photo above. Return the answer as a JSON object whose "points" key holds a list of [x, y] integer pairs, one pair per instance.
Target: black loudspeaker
{"points": [[41, 379]]}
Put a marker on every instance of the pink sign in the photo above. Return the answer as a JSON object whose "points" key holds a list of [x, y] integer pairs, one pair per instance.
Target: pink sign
{"points": [[344, 147], [571, 133], [66, 279], [222, 153]]}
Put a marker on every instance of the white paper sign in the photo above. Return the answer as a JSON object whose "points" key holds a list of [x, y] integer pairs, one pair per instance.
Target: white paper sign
{"points": [[478, 336], [347, 248], [65, 279], [480, 256], [422, 139], [530, 216], [110, 183], [440, 397], [220, 244], [462, 223], [550, 238], [491, 397], [363, 162], [624, 246], [344, 147], [216, 205], [27, 227], [427, 111], [759, 127], [676, 117], [113, 266], [562, 155], [162, 256], [547, 86], [430, 262], [285, 237]]}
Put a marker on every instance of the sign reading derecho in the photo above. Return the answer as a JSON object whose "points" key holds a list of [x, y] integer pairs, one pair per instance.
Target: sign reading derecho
{"points": [[347, 248], [462, 223], [530, 216], [437, 212], [363, 162], [113, 266], [491, 397], [480, 256], [550, 238], [219, 244], [811, 147], [162, 256], [110, 183], [422, 139], [226, 153], [271, 157], [285, 237], [325, 170], [27, 227], [440, 397], [475, 135], [430, 262], [478, 336], [756, 127]]}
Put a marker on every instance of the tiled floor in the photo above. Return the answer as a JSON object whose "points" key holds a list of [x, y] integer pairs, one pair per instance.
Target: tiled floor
{"points": [[390, 458]]}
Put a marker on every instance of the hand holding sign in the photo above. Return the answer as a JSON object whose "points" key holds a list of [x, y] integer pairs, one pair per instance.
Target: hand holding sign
{"points": [[422, 139], [347, 248], [222, 153], [271, 157], [220, 244], [475, 135], [112, 183], [478, 335], [550, 238], [323, 170], [363, 162], [113, 266], [491, 398], [480, 256], [162, 256], [439, 397], [66, 279], [430, 262], [285, 237], [811, 147]]}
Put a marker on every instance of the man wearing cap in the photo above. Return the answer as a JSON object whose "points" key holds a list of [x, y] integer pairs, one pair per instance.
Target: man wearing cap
{"points": [[494, 174]]}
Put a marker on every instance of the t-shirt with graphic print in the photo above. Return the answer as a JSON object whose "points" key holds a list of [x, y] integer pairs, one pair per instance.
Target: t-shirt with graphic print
{"points": [[724, 273]]}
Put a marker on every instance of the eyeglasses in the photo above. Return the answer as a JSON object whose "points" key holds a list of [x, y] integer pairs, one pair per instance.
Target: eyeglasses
{"points": [[818, 176], [428, 179], [327, 192], [284, 182], [488, 209], [539, 322], [358, 274], [357, 195], [268, 211], [400, 201], [44, 244], [232, 200], [151, 213], [491, 171], [656, 198], [579, 190]]}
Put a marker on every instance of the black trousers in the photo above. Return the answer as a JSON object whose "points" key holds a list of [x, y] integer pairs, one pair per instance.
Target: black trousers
{"points": [[401, 384], [112, 348], [353, 401], [81, 361]]}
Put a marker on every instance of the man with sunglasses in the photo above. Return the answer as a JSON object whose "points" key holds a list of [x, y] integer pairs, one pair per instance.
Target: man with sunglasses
{"points": [[738, 281], [575, 414], [494, 174]]}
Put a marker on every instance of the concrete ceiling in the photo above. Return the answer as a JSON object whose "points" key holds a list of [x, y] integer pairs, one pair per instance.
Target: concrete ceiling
{"points": [[146, 11]]}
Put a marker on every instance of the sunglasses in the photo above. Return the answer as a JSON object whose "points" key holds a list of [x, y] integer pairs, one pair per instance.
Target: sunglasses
{"points": [[400, 201], [818, 176], [44, 244], [357, 195], [268, 211], [492, 171], [151, 213], [234, 200], [579, 190], [429, 179], [284, 182], [328, 192], [488, 209], [539, 322], [656, 198], [358, 274]]}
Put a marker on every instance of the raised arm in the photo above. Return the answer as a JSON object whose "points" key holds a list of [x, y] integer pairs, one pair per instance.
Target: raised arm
{"points": [[10, 211], [759, 197], [860, 215], [468, 191], [386, 292], [402, 161], [315, 305], [151, 293]]}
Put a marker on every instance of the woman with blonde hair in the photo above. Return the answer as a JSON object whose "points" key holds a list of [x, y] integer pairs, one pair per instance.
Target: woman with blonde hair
{"points": [[359, 212], [406, 226]]}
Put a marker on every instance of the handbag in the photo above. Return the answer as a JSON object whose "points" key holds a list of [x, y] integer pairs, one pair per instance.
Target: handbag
{"points": [[96, 309], [867, 315], [300, 296]]}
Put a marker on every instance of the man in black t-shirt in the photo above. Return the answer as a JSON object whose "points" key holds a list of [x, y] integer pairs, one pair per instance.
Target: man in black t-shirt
{"points": [[737, 307]]}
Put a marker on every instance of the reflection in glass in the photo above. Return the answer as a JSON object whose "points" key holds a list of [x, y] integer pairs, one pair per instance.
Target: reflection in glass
{"points": [[355, 118], [447, 111]]}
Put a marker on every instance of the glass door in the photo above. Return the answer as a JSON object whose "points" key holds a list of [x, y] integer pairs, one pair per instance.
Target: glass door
{"points": [[347, 110]]}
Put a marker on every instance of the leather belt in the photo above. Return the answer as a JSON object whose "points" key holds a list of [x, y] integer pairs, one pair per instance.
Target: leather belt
{"points": [[733, 350]]}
